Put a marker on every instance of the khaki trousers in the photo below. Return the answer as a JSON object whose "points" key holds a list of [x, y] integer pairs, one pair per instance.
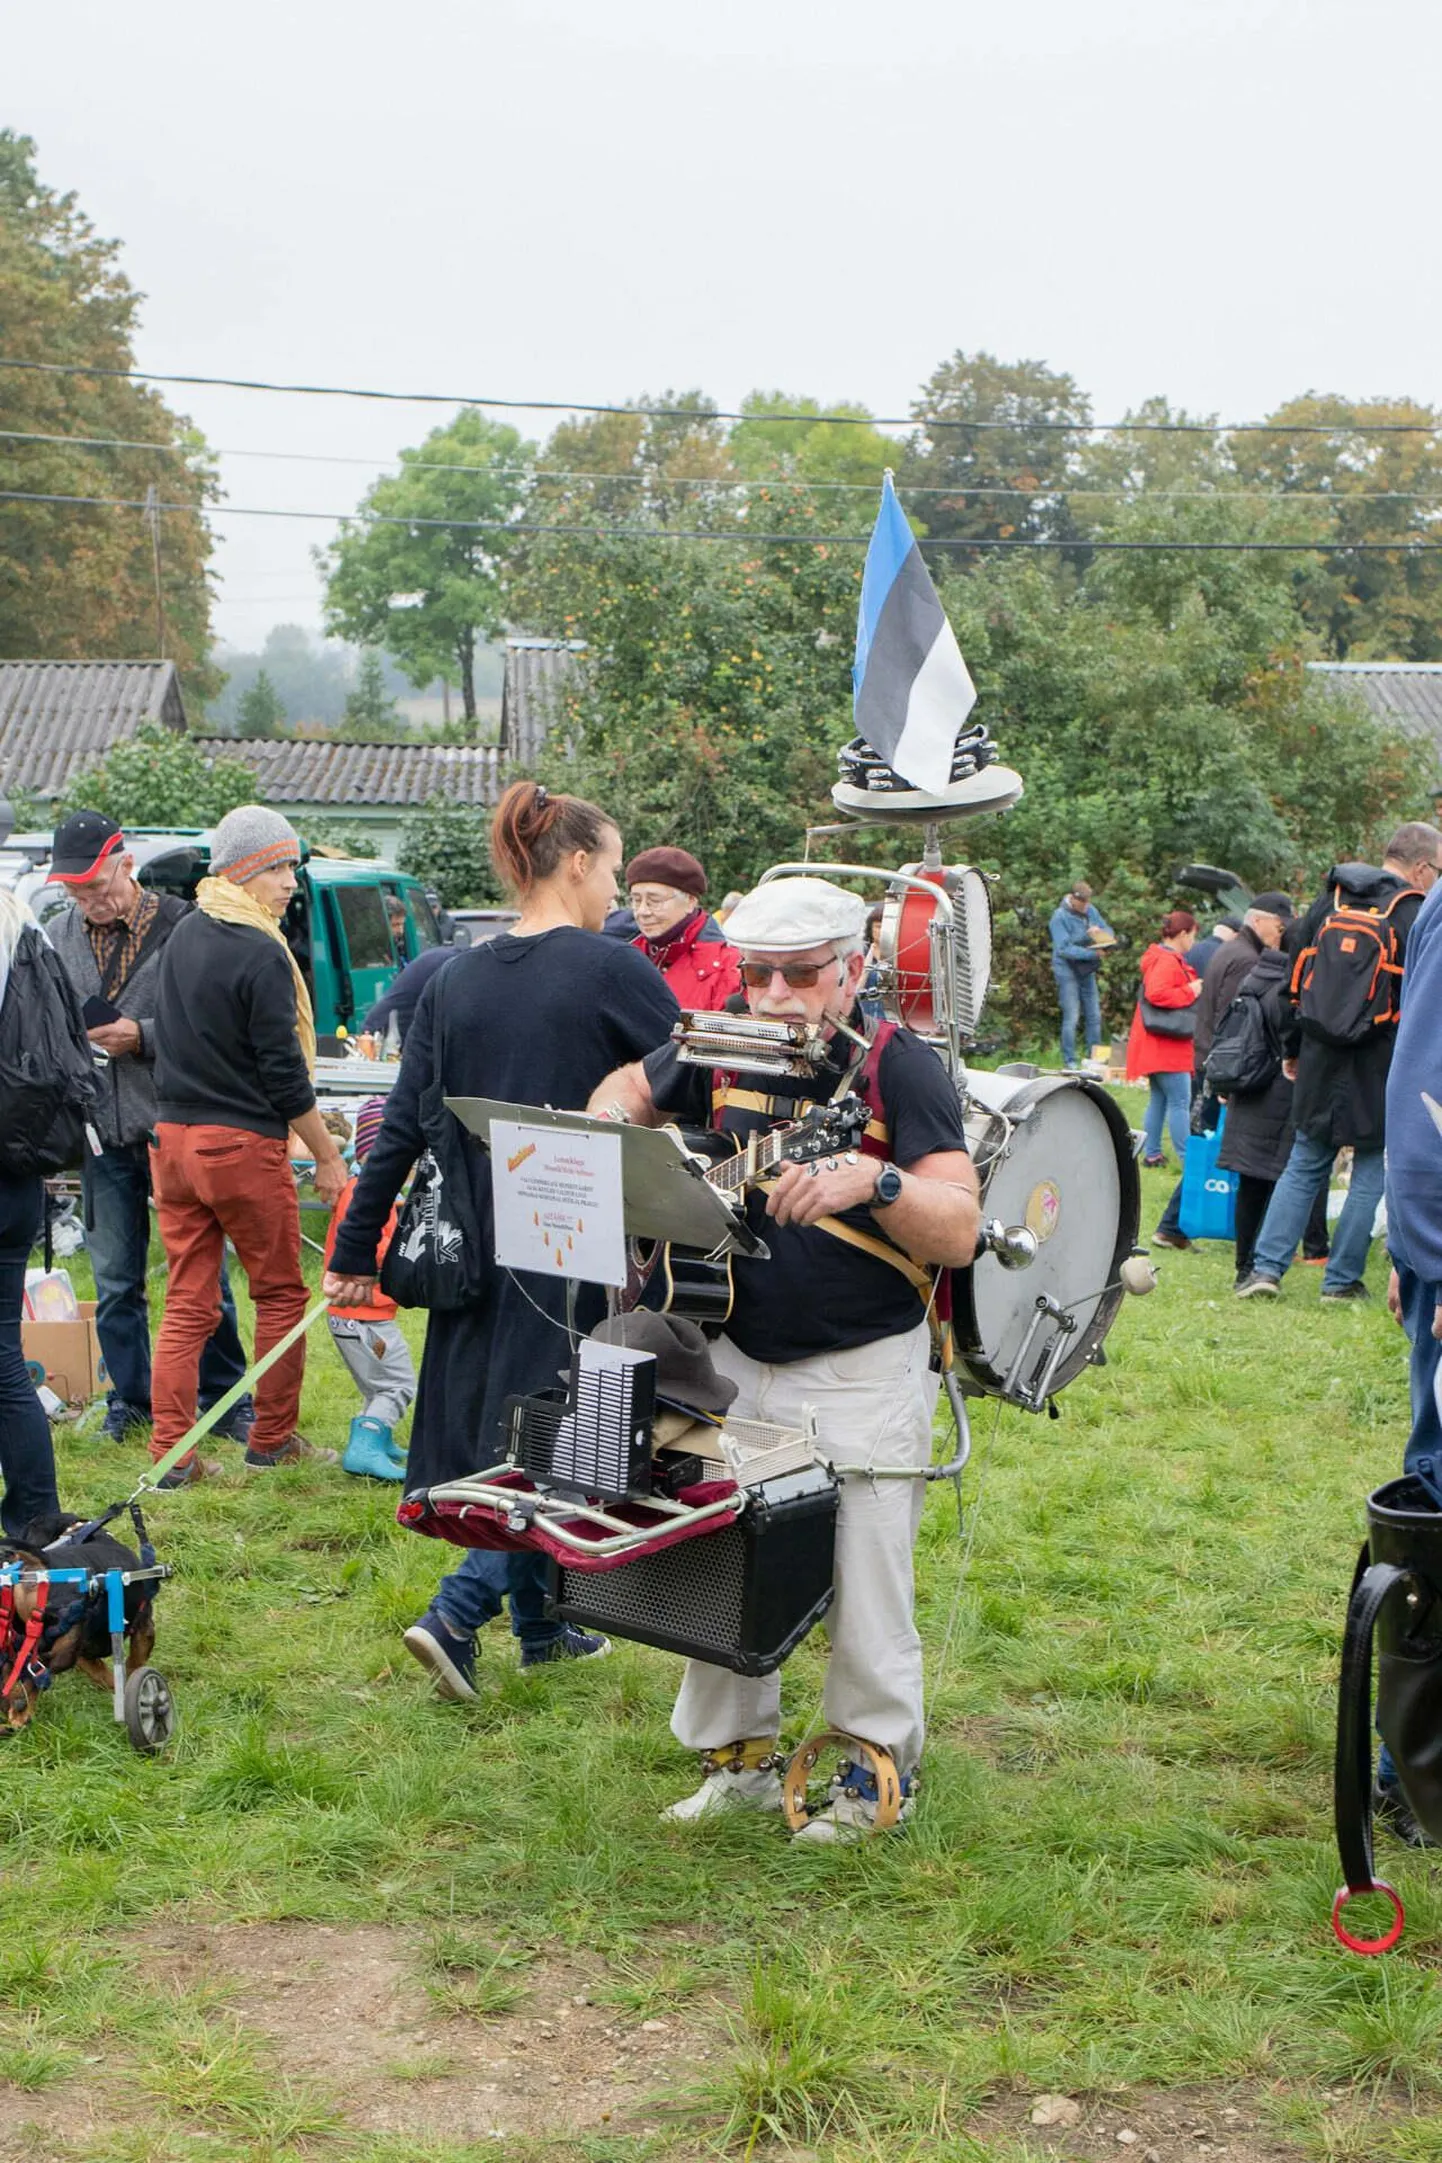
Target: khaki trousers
{"points": [[874, 1405]]}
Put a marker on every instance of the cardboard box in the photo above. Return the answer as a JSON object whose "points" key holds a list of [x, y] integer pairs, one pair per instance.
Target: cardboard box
{"points": [[70, 1354]]}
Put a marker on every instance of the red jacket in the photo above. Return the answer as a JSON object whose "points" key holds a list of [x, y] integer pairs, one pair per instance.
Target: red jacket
{"points": [[1168, 979], [701, 969]]}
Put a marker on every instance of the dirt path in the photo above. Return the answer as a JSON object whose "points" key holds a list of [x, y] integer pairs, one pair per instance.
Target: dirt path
{"points": [[342, 2015]]}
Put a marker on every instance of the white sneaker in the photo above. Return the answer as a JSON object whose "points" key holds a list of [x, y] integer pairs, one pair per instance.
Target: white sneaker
{"points": [[760, 1790], [848, 1817]]}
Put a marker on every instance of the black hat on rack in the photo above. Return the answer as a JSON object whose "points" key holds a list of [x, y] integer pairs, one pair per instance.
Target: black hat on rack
{"points": [[686, 1374]]}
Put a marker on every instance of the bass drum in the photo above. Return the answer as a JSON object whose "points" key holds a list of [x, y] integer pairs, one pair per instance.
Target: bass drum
{"points": [[1052, 1152]]}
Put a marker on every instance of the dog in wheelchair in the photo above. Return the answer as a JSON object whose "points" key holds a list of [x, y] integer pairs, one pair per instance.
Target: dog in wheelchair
{"points": [[74, 1596]]}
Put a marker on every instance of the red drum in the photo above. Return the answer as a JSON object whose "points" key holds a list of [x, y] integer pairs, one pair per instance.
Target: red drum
{"points": [[929, 982]]}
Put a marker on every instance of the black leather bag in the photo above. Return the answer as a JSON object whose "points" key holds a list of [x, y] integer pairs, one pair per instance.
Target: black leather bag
{"points": [[435, 1258], [1396, 1601], [1167, 1020]]}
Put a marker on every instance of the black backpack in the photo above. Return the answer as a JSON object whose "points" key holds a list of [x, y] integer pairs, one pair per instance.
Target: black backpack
{"points": [[1245, 1057], [47, 1068], [1348, 982]]}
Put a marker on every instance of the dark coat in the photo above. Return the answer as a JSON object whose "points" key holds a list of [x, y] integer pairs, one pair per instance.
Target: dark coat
{"points": [[1257, 1139], [1341, 1094], [1233, 961]]}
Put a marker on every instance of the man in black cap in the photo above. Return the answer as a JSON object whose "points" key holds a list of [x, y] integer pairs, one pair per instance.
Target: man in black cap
{"points": [[109, 943], [1341, 1086]]}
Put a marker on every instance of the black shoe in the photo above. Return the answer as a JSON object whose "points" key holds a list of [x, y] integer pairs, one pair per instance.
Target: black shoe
{"points": [[1345, 1295], [237, 1423], [1255, 1286], [1391, 1808]]}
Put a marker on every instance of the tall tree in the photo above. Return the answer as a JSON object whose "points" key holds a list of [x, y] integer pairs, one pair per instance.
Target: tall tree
{"points": [[639, 465], [834, 448], [418, 569], [1001, 440], [261, 711], [370, 709], [1357, 481], [78, 580]]}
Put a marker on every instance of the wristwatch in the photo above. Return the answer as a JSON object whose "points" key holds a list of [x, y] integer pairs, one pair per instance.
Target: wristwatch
{"points": [[888, 1187]]}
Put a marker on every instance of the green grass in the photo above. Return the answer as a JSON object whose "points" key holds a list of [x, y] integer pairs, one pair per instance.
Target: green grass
{"points": [[1119, 1870]]}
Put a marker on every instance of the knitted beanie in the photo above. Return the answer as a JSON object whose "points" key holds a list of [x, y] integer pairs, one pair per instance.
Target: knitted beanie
{"points": [[367, 1126], [252, 839]]}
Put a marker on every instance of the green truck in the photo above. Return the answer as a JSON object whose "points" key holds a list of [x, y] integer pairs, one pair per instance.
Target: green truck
{"points": [[351, 925]]}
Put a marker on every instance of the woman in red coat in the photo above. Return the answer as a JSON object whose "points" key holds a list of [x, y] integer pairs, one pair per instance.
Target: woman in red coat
{"points": [[1171, 985], [687, 945]]}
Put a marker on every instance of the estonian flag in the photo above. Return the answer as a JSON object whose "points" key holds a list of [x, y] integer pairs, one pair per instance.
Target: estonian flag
{"points": [[913, 690]]}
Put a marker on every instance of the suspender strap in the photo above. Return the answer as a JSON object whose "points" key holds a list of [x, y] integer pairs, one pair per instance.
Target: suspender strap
{"points": [[742, 1100], [880, 1250]]}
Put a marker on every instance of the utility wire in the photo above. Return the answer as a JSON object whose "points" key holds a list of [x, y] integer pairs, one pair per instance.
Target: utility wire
{"points": [[741, 536], [538, 474], [926, 422]]}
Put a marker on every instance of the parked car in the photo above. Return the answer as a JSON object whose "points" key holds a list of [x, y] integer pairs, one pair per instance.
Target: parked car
{"points": [[352, 924], [475, 926]]}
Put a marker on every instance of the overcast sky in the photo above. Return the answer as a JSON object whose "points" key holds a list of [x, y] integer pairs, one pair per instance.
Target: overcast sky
{"points": [[1224, 201]]}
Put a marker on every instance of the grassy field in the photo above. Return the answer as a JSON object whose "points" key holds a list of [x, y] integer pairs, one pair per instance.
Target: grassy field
{"points": [[342, 1920]]}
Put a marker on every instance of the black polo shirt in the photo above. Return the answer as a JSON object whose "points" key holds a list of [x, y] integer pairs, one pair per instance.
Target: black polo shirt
{"points": [[818, 1294]]}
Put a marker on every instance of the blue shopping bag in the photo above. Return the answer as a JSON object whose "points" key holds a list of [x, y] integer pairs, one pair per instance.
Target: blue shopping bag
{"points": [[1209, 1195]]}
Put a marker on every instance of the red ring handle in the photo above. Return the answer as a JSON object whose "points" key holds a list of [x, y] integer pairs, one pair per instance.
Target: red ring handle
{"points": [[1383, 1944]]}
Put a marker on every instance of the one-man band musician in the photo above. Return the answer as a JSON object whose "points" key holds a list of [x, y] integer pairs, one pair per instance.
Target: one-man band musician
{"points": [[836, 1320]]}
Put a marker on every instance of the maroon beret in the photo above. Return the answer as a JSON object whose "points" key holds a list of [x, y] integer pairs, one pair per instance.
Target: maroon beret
{"points": [[667, 867]]}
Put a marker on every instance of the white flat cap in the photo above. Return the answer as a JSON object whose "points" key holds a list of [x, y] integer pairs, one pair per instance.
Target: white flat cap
{"points": [[785, 916]]}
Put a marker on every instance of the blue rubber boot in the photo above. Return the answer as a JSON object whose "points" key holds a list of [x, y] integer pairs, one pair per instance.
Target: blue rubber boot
{"points": [[367, 1452]]}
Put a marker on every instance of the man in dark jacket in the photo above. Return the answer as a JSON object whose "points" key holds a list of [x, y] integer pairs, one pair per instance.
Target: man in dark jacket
{"points": [[1233, 961], [236, 1045], [109, 943], [1340, 1098]]}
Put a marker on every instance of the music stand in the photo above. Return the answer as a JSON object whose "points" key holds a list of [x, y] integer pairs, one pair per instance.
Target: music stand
{"points": [[664, 1191]]}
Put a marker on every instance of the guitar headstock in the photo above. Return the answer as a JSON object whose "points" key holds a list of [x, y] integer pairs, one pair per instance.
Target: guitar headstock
{"points": [[826, 1129]]}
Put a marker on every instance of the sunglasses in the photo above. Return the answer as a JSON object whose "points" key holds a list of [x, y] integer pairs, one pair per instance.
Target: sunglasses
{"points": [[797, 975]]}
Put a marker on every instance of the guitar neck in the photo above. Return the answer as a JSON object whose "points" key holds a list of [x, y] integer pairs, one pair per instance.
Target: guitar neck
{"points": [[760, 1156]]}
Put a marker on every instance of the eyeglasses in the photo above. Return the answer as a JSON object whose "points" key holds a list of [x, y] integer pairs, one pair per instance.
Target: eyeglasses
{"points": [[797, 975]]}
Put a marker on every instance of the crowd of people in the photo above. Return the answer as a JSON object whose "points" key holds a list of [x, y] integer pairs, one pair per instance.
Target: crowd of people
{"points": [[204, 1098]]}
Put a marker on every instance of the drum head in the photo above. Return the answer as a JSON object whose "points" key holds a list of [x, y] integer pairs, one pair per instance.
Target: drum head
{"points": [[1068, 1174], [914, 988]]}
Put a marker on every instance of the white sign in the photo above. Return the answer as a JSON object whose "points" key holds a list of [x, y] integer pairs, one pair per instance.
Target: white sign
{"points": [[558, 1202]]}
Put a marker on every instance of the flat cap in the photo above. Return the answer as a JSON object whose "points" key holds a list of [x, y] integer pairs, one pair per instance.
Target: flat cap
{"points": [[1274, 905], [785, 916]]}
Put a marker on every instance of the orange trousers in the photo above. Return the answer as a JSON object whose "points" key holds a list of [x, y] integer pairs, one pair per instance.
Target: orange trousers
{"points": [[210, 1183]]}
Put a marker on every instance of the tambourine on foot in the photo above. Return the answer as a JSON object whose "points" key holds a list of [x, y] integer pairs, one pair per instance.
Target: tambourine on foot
{"points": [[796, 1779]]}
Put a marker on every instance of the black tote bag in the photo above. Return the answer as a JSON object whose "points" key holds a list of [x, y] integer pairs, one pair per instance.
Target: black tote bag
{"points": [[435, 1259]]}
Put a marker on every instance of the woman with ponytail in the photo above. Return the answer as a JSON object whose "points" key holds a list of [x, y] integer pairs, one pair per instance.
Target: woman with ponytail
{"points": [[539, 1015]]}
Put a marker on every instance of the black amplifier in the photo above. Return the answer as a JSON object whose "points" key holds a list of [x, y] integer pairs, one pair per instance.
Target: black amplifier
{"points": [[743, 1597]]}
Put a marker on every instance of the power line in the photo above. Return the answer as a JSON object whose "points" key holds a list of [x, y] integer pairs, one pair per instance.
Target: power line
{"points": [[927, 422], [741, 536], [538, 474]]}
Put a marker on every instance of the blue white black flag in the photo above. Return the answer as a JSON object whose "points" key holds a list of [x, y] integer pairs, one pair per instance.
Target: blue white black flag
{"points": [[913, 690]]}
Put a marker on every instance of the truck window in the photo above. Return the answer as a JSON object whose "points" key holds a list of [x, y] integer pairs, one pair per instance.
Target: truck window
{"points": [[423, 919], [367, 934]]}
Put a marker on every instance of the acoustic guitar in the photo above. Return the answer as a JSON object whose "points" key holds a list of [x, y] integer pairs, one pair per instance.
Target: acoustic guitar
{"points": [[683, 1281]]}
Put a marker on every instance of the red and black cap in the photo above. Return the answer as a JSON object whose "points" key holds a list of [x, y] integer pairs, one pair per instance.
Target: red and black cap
{"points": [[84, 844]]}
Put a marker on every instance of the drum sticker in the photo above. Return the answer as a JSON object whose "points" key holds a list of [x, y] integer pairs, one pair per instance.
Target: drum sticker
{"points": [[1043, 1209]]}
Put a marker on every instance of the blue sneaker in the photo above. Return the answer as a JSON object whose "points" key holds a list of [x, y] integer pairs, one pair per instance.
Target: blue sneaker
{"points": [[368, 1453], [451, 1659], [572, 1644]]}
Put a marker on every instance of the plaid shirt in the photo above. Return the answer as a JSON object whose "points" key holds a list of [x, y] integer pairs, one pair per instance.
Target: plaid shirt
{"points": [[116, 945]]}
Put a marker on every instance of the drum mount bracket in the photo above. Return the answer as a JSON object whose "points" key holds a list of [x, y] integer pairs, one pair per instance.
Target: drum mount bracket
{"points": [[1030, 1387]]}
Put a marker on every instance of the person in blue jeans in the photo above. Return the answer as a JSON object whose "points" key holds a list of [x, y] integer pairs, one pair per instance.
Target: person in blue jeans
{"points": [[27, 1459], [1414, 1236], [1341, 1094], [1075, 961]]}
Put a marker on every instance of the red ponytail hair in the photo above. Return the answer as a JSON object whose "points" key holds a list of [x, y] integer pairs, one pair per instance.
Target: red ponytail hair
{"points": [[532, 831]]}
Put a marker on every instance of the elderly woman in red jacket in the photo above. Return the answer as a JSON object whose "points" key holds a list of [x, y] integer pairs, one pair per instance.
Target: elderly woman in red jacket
{"points": [[686, 943], [1159, 1049]]}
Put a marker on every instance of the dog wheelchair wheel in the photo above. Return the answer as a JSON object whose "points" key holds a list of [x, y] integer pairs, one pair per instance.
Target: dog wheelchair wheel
{"points": [[149, 1710]]}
